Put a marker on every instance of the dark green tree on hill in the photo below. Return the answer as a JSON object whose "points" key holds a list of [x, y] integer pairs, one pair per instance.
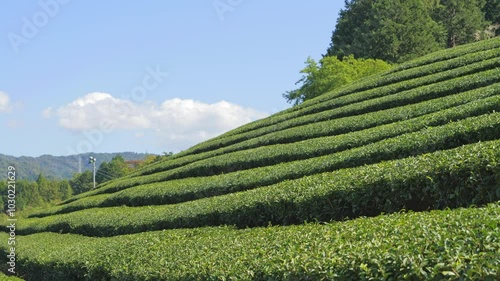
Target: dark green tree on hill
{"points": [[112, 170], [464, 20], [82, 182], [492, 15], [399, 30], [391, 30], [492, 11]]}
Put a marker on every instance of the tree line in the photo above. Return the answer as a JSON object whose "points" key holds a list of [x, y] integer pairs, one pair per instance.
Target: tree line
{"points": [[45, 191], [372, 35]]}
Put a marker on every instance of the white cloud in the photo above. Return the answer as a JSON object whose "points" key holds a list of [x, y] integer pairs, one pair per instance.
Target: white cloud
{"points": [[177, 122], [4, 102], [89, 111], [47, 113]]}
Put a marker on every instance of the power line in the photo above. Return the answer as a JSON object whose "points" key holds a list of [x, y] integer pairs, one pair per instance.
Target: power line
{"points": [[106, 174]]}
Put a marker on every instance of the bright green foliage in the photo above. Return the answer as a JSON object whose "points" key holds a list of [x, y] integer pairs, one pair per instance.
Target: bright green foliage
{"points": [[332, 73], [53, 190], [319, 124], [426, 65], [45, 188], [64, 190], [30, 194], [459, 244], [4, 277], [386, 92], [268, 155]]}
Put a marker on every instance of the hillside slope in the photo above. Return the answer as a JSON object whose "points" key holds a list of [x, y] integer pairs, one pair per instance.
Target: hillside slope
{"points": [[57, 167], [423, 136]]}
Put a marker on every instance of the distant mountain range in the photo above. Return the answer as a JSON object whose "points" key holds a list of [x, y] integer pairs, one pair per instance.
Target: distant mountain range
{"points": [[57, 167]]}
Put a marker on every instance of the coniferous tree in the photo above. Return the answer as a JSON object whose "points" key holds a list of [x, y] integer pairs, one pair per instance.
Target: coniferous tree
{"points": [[492, 15], [464, 20], [391, 30], [399, 30]]}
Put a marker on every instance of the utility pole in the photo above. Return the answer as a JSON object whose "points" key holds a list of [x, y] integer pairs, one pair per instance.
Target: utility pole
{"points": [[92, 161]]}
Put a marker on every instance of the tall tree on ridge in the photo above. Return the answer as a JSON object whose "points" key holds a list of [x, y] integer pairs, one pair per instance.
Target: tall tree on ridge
{"points": [[112, 170], [492, 15], [464, 20], [391, 30]]}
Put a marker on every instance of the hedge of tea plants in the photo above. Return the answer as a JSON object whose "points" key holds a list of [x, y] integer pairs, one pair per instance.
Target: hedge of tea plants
{"points": [[182, 190], [449, 178], [460, 244]]}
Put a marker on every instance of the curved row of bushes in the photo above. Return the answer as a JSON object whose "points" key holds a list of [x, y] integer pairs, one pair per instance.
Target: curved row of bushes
{"points": [[327, 128], [484, 50], [344, 103], [430, 64], [335, 195], [319, 124], [178, 191], [460, 244]]}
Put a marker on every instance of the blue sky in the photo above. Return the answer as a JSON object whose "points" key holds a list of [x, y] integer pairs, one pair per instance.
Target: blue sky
{"points": [[148, 76]]}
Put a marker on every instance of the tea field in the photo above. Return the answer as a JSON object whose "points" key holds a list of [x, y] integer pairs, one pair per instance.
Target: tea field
{"points": [[393, 177]]}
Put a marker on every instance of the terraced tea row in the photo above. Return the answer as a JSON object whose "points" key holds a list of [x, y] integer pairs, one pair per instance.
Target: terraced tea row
{"points": [[319, 124], [423, 136], [314, 130], [447, 54], [363, 102], [178, 191], [430, 64], [439, 245], [186, 171], [466, 175]]}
